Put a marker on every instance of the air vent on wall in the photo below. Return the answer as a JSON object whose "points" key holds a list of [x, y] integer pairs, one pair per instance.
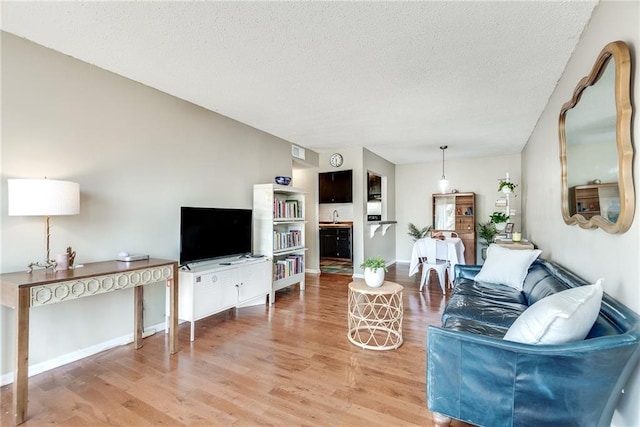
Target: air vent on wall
{"points": [[297, 152]]}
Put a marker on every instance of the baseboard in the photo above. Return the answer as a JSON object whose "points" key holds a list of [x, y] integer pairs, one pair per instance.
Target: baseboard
{"points": [[312, 271], [81, 354]]}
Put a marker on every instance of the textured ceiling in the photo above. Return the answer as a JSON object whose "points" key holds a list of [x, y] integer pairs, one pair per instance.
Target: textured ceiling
{"points": [[399, 78]]}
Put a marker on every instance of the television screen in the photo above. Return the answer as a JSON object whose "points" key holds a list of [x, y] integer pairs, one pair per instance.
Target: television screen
{"points": [[209, 233]]}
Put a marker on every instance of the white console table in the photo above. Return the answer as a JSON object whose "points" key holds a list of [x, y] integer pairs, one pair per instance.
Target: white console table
{"points": [[23, 290]]}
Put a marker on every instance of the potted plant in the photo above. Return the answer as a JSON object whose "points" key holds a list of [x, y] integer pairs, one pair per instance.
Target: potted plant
{"points": [[507, 186], [418, 233], [374, 269], [487, 232], [499, 219]]}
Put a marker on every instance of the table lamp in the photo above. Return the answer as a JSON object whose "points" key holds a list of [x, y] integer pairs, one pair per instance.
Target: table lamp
{"points": [[43, 197]]}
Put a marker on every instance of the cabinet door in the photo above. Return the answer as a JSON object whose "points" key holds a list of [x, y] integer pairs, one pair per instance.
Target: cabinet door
{"points": [[328, 243], [343, 249], [325, 187], [343, 186], [255, 280], [215, 291]]}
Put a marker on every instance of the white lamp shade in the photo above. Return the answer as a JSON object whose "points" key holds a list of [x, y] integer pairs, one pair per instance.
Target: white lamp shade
{"points": [[444, 185], [43, 197]]}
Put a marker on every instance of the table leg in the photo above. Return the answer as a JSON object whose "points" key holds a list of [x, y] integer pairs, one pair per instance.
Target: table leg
{"points": [[138, 306], [21, 372], [173, 310]]}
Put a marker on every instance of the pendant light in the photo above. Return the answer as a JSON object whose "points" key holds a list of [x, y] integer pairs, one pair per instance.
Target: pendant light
{"points": [[443, 183]]}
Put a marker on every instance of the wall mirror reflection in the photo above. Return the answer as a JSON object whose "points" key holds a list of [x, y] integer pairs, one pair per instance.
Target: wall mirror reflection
{"points": [[595, 146]]}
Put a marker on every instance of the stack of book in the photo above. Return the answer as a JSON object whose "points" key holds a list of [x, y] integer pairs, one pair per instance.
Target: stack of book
{"points": [[293, 264], [289, 239], [286, 209]]}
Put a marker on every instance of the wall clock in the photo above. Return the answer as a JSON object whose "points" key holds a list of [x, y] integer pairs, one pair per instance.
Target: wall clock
{"points": [[336, 160]]}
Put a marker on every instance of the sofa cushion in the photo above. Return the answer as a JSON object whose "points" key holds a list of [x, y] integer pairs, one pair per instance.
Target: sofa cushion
{"points": [[560, 318], [507, 266], [475, 327], [541, 283], [494, 304]]}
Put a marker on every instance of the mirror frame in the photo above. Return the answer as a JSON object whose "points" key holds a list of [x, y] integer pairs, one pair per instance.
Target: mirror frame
{"points": [[617, 51]]}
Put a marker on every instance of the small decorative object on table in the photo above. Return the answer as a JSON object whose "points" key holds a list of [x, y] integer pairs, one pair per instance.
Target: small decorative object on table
{"points": [[374, 269], [516, 237], [283, 180], [72, 256]]}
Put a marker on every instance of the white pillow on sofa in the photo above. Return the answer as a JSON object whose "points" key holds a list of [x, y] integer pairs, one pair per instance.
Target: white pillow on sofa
{"points": [[560, 318], [507, 266]]}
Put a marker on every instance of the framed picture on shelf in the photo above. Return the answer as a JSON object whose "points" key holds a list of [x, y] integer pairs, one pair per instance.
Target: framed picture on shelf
{"points": [[509, 228]]}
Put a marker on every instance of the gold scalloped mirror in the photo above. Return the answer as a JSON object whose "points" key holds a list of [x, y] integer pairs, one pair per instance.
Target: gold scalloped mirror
{"points": [[596, 154]]}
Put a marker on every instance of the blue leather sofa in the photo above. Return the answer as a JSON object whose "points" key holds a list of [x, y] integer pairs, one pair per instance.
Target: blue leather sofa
{"points": [[475, 376]]}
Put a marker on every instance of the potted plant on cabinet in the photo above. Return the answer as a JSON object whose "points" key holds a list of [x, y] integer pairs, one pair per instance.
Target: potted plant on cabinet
{"points": [[507, 186], [499, 219], [418, 233], [374, 269]]}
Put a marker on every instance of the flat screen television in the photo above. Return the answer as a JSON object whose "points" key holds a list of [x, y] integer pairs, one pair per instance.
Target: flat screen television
{"points": [[210, 233]]}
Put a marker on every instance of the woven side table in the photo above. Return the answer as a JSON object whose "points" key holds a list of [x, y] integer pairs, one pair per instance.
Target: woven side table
{"points": [[375, 315]]}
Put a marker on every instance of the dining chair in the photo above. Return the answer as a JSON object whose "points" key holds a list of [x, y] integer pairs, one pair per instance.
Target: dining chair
{"points": [[431, 262]]}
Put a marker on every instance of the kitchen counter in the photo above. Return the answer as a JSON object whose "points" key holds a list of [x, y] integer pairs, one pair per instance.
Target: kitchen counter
{"points": [[343, 224]]}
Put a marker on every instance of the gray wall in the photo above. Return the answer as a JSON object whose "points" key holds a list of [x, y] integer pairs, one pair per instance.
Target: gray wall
{"points": [[138, 155], [590, 253]]}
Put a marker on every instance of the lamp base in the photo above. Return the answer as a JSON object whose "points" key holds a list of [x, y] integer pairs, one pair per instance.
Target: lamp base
{"points": [[46, 265]]}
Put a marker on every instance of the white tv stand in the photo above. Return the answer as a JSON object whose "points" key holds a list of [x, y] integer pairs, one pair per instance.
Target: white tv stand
{"points": [[211, 287]]}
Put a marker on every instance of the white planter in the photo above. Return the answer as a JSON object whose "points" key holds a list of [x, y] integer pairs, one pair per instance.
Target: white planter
{"points": [[374, 279], [500, 226]]}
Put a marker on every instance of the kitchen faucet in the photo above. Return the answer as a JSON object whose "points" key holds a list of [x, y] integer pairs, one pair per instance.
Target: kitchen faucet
{"points": [[335, 215]]}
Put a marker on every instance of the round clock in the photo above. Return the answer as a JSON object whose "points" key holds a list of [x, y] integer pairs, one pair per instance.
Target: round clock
{"points": [[336, 160]]}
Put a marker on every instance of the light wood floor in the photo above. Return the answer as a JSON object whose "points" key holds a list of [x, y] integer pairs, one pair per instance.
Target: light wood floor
{"points": [[288, 365]]}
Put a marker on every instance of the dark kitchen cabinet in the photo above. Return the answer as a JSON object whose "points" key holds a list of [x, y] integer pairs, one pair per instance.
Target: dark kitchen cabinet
{"points": [[335, 243], [336, 187]]}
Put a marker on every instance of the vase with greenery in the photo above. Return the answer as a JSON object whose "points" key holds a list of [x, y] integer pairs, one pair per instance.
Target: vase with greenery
{"points": [[418, 233], [507, 186], [499, 219], [374, 269]]}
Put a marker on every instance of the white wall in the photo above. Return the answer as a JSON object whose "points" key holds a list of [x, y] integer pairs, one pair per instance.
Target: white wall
{"points": [[138, 155], [379, 245], [416, 183], [589, 253]]}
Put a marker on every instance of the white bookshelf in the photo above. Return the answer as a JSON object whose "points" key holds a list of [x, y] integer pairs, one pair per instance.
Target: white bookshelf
{"points": [[279, 232]]}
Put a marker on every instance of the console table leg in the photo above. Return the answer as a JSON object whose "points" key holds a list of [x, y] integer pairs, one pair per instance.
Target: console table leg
{"points": [[21, 373], [137, 317], [173, 310]]}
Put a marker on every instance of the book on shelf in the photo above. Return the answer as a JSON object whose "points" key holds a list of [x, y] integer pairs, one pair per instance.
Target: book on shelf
{"points": [[291, 265], [288, 239], [286, 209]]}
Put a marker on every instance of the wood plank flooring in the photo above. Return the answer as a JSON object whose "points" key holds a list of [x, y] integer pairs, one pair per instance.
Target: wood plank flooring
{"points": [[290, 364]]}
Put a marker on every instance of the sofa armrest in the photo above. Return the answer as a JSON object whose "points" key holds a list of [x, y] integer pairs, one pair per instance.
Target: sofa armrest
{"points": [[489, 381], [462, 271]]}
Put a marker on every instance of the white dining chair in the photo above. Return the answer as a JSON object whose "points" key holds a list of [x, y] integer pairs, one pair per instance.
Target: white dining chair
{"points": [[431, 262]]}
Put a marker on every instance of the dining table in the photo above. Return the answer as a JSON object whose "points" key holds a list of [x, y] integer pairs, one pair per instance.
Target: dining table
{"points": [[452, 250]]}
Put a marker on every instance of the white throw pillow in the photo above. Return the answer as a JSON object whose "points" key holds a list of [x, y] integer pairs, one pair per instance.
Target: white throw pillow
{"points": [[560, 318], [507, 266]]}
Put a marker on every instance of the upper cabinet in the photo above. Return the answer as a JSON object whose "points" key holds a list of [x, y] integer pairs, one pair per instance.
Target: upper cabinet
{"points": [[336, 187]]}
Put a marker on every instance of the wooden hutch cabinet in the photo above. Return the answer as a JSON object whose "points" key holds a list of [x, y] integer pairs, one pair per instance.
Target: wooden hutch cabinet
{"points": [[595, 199], [457, 212]]}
